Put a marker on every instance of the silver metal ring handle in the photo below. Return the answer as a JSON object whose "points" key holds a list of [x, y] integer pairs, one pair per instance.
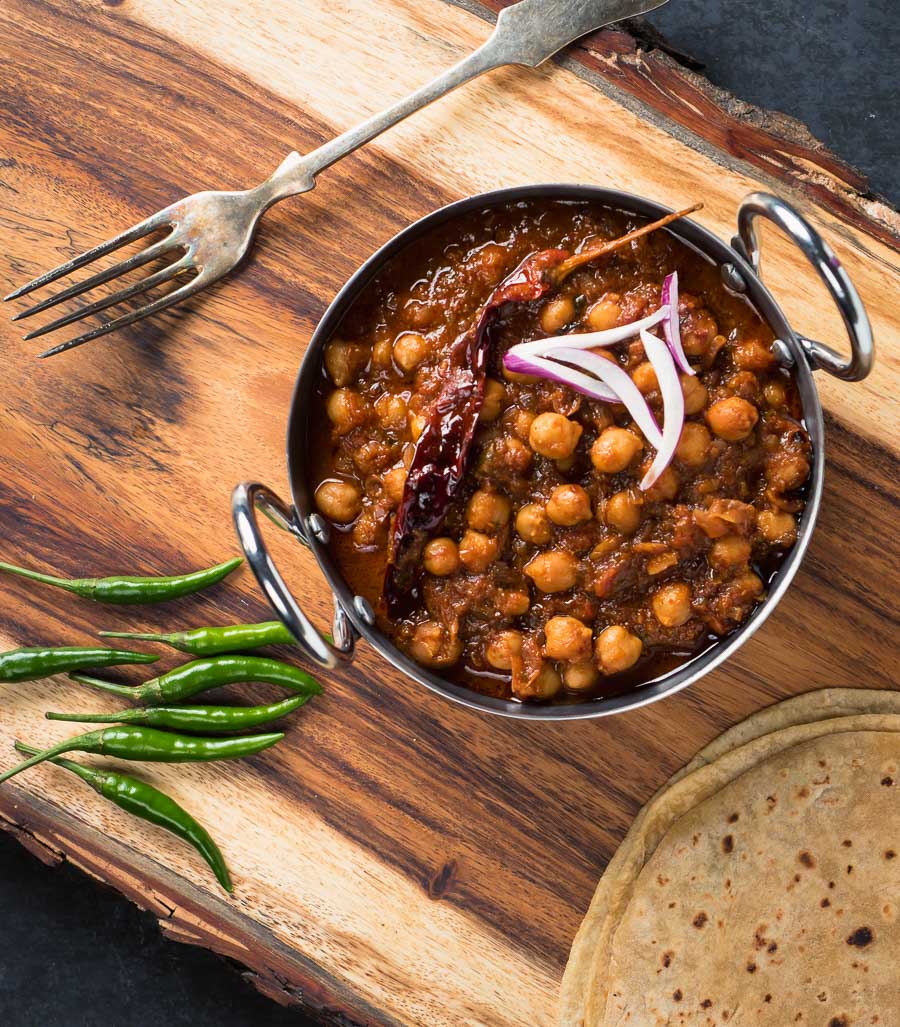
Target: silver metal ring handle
{"points": [[862, 346], [245, 500]]}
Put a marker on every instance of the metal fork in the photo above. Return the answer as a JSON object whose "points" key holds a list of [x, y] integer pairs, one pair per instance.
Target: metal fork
{"points": [[213, 230]]}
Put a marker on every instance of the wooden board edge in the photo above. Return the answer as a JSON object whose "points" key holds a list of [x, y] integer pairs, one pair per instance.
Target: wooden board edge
{"points": [[632, 62], [186, 914]]}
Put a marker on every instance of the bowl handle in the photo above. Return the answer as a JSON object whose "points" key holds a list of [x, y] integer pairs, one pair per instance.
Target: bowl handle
{"points": [[862, 347], [244, 502]]}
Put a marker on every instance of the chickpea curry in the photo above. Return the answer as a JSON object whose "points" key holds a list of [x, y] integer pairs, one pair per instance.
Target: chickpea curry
{"points": [[502, 524]]}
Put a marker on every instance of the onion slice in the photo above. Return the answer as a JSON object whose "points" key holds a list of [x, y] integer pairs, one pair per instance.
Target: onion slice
{"points": [[530, 364], [620, 382], [588, 340], [671, 325], [673, 406]]}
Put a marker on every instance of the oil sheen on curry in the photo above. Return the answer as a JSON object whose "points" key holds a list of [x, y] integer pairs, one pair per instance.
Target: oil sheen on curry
{"points": [[557, 560]]}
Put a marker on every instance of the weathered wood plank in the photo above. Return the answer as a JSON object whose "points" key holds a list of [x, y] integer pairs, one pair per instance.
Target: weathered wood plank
{"points": [[398, 861]]}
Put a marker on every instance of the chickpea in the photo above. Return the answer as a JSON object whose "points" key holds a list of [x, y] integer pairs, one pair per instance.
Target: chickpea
{"points": [[477, 552], [391, 410], [511, 603], [623, 512], [371, 457], [346, 410], [644, 378], [693, 446], [752, 355], [732, 419], [520, 423], [554, 571], [490, 261], [416, 424], [617, 649], [672, 604], [579, 677], [729, 551], [777, 527], [554, 435], [665, 487], [750, 584], [544, 685], [432, 646], [517, 378], [695, 394], [603, 314], [569, 505], [567, 639], [661, 562], [786, 471], [614, 449], [503, 649], [420, 314], [515, 455], [340, 501], [393, 483], [382, 353], [533, 525], [410, 349], [488, 511], [775, 394], [344, 360], [556, 314], [441, 557], [699, 331], [494, 400]]}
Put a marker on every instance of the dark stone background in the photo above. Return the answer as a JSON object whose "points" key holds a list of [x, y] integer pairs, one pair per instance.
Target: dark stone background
{"points": [[72, 952]]}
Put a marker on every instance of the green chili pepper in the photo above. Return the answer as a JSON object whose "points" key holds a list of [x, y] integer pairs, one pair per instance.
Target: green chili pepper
{"points": [[32, 664], [202, 675], [148, 803], [202, 719], [211, 641], [132, 591], [130, 742]]}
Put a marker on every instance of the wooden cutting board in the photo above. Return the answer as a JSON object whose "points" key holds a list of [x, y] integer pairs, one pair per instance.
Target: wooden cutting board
{"points": [[398, 860]]}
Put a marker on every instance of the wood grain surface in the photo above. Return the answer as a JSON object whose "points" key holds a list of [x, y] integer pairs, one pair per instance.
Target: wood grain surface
{"points": [[397, 860]]}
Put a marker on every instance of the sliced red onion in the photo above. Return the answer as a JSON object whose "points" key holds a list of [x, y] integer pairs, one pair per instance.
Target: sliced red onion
{"points": [[673, 405], [554, 372], [620, 382], [672, 325], [588, 340]]}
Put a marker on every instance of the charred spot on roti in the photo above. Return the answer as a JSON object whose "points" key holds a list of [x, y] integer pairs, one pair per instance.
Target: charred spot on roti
{"points": [[751, 967], [825, 903], [847, 843], [734, 818], [839, 1021], [728, 843], [889, 854], [806, 858], [667, 958], [699, 920], [887, 781], [706, 1003], [861, 937], [677, 995]]}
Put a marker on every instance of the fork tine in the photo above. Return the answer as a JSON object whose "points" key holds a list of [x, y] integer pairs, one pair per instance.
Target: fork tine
{"points": [[145, 227], [176, 296], [158, 249], [158, 278]]}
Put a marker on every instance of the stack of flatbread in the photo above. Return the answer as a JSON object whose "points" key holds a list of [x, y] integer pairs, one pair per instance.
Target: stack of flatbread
{"points": [[761, 885]]}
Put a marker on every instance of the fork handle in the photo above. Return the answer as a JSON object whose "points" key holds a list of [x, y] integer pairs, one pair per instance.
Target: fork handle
{"points": [[528, 33]]}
